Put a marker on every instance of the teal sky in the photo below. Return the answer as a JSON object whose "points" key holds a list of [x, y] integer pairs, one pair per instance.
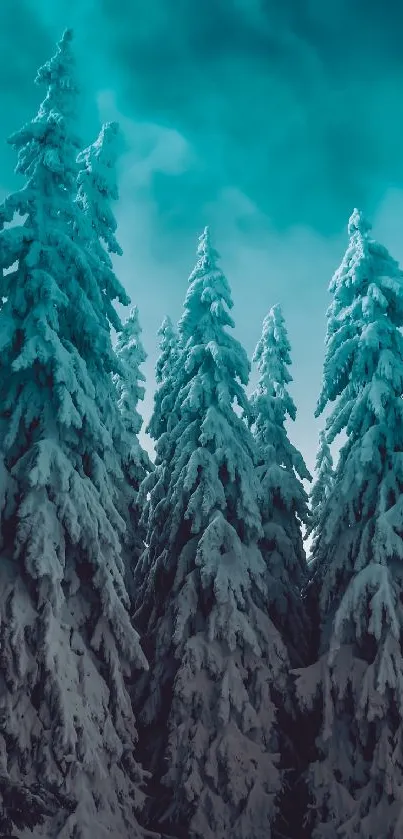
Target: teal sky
{"points": [[267, 119]]}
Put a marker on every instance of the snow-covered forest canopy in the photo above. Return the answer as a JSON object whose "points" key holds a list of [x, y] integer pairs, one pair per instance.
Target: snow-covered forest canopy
{"points": [[206, 645]]}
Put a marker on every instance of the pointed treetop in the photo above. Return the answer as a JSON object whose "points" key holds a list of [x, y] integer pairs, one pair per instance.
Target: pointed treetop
{"points": [[274, 334], [324, 450], [367, 291], [97, 189], [58, 73], [48, 142], [205, 250], [167, 327], [132, 324], [104, 149], [67, 37], [100, 159], [210, 376], [111, 129], [281, 470], [358, 223], [324, 480], [204, 241], [208, 297], [272, 356], [167, 345], [132, 354], [271, 401], [164, 396], [129, 346]]}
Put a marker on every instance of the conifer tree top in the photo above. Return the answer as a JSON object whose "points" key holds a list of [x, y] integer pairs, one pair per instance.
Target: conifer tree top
{"points": [[164, 397], [357, 223], [47, 145], [281, 469], [324, 478], [211, 444], [98, 185], [323, 463], [367, 306], [214, 369], [167, 327], [272, 357], [59, 75], [129, 344], [97, 189], [130, 350], [167, 345], [208, 299], [363, 375], [271, 401], [130, 391]]}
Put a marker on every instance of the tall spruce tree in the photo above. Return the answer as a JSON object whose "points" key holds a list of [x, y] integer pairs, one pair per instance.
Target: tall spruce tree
{"points": [[281, 470], [283, 504], [130, 389], [162, 420], [164, 398], [321, 489], [218, 664], [97, 190], [67, 644], [356, 684], [95, 230], [135, 460]]}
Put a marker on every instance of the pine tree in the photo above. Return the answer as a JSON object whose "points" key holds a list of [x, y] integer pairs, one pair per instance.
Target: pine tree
{"points": [[281, 470], [162, 420], [135, 460], [164, 398], [218, 664], [131, 353], [97, 190], [355, 686], [324, 477], [67, 644], [283, 503], [95, 230]]}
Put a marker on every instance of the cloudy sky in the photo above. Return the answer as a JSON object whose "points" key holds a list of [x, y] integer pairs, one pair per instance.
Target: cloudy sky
{"points": [[268, 119]]}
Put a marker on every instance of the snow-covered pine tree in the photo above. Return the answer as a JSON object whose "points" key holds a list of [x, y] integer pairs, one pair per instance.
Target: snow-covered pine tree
{"points": [[97, 189], [356, 685], [324, 477], [164, 398], [95, 230], [218, 665], [135, 460], [67, 644], [284, 509], [130, 388], [319, 495], [162, 420], [168, 347], [281, 470]]}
